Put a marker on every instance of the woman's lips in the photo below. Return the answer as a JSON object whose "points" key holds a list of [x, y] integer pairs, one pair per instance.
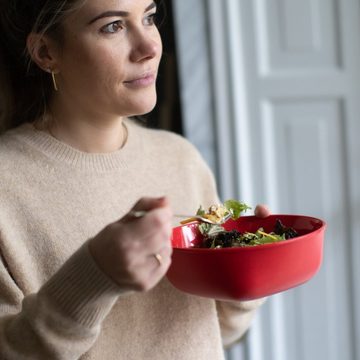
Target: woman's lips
{"points": [[142, 81]]}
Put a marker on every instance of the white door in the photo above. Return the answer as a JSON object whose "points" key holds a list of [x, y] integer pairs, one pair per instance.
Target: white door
{"points": [[286, 77]]}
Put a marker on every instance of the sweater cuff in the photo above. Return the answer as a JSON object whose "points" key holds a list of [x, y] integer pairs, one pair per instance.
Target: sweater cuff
{"points": [[245, 306], [80, 290], [235, 318]]}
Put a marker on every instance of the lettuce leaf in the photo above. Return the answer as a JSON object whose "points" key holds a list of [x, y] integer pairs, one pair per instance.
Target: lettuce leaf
{"points": [[235, 208]]}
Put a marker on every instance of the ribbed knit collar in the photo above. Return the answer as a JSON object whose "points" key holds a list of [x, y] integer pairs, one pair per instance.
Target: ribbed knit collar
{"points": [[98, 162]]}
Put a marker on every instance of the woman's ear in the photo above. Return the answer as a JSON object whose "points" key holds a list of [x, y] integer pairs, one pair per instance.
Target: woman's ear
{"points": [[43, 52]]}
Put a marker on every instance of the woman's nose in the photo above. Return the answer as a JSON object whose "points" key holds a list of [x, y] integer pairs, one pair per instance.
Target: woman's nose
{"points": [[146, 47]]}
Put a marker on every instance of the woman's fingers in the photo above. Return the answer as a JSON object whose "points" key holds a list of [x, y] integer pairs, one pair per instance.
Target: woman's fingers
{"points": [[262, 211], [143, 206], [136, 250], [150, 222], [145, 274]]}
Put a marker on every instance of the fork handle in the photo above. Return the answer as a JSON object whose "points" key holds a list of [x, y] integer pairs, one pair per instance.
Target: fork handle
{"points": [[141, 213]]}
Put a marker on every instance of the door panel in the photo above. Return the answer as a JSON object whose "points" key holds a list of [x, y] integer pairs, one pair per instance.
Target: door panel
{"points": [[297, 35], [306, 152]]}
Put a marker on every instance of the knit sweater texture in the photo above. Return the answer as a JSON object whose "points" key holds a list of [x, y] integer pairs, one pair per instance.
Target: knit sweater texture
{"points": [[55, 303]]}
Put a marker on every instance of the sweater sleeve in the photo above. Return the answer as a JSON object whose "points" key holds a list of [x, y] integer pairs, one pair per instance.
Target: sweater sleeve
{"points": [[62, 320]]}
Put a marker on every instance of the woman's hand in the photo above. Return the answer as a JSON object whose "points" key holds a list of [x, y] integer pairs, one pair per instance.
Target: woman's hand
{"points": [[262, 211], [135, 252]]}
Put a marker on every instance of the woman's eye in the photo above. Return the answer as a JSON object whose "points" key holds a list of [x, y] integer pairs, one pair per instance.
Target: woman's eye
{"points": [[150, 20], [113, 27]]}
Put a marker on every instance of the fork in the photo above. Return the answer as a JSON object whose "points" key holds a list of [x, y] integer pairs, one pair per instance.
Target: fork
{"points": [[188, 218]]}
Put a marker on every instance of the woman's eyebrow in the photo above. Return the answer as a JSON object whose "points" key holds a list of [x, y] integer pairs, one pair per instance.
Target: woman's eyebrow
{"points": [[118, 13]]}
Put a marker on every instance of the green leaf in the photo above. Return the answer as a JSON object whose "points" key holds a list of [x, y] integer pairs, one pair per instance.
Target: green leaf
{"points": [[235, 208], [201, 211], [210, 229], [215, 229], [204, 228]]}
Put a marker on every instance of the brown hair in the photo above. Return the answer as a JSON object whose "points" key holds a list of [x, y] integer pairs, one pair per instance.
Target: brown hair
{"points": [[25, 89]]}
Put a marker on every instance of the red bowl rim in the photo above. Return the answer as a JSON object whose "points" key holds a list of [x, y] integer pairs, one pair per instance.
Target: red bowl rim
{"points": [[255, 247]]}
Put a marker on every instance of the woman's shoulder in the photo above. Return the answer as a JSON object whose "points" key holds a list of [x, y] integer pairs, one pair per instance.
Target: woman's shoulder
{"points": [[177, 153], [9, 141], [13, 151]]}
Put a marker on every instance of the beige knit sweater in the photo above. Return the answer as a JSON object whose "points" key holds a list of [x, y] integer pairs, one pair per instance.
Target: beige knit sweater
{"points": [[55, 303]]}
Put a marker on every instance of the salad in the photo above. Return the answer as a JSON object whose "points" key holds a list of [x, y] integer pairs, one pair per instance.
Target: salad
{"points": [[215, 236]]}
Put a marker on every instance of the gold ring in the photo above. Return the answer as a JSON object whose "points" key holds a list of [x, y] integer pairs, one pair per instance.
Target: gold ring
{"points": [[137, 214], [159, 258]]}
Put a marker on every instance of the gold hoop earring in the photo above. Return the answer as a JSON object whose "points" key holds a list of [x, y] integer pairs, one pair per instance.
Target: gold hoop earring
{"points": [[53, 80]]}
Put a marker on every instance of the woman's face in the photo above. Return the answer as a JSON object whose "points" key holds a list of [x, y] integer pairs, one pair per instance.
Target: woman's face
{"points": [[109, 60]]}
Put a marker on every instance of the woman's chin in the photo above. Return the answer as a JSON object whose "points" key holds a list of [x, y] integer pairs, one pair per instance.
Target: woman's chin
{"points": [[144, 108]]}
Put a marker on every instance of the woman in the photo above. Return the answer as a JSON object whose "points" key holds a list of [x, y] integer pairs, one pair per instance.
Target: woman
{"points": [[73, 164]]}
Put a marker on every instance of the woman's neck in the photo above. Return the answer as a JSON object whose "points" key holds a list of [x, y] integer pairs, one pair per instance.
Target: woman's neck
{"points": [[91, 138], [86, 135]]}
